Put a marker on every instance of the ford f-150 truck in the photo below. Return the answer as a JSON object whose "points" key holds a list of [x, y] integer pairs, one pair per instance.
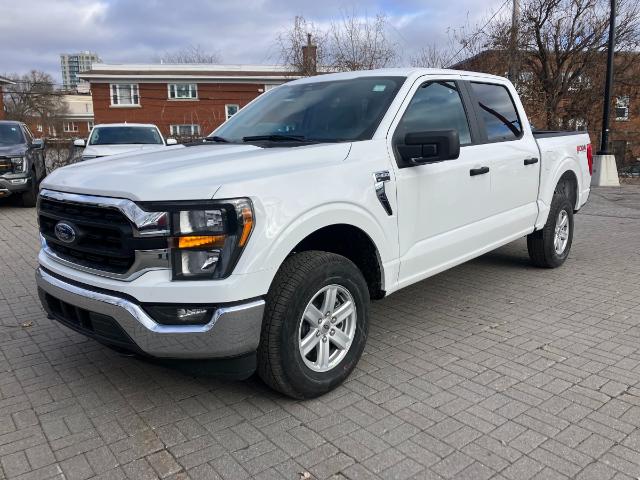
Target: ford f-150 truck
{"points": [[22, 162], [263, 246]]}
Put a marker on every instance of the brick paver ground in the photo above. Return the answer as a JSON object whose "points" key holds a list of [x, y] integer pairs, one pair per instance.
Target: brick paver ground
{"points": [[493, 369]]}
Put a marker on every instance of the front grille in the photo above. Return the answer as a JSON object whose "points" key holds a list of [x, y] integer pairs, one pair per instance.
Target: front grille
{"points": [[104, 236], [5, 165], [95, 325]]}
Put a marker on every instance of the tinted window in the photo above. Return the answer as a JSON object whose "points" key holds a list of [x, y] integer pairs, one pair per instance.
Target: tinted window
{"points": [[124, 135], [498, 112], [329, 111], [436, 106]]}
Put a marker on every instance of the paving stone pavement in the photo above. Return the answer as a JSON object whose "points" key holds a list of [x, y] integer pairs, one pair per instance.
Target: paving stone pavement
{"points": [[494, 369]]}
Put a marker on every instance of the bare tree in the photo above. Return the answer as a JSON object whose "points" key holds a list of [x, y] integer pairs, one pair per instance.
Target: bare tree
{"points": [[189, 54], [561, 46], [353, 43], [361, 43], [303, 34], [33, 97], [433, 56]]}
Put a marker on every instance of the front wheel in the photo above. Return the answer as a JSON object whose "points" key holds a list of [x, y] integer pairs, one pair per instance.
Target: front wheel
{"points": [[315, 324], [29, 197], [550, 246]]}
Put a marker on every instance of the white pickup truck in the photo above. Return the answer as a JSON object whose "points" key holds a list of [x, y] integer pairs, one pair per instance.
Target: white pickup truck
{"points": [[262, 248]]}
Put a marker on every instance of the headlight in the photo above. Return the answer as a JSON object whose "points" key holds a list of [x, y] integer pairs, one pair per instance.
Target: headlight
{"points": [[207, 239], [19, 164]]}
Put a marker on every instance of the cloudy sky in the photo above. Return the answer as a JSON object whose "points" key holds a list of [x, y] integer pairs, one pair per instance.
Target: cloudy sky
{"points": [[35, 32]]}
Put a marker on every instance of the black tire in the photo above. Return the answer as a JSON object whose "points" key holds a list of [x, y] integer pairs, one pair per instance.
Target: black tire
{"points": [[29, 198], [540, 244], [300, 278]]}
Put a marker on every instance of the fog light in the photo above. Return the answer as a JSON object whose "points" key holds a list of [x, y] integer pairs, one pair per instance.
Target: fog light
{"points": [[194, 263], [180, 315]]}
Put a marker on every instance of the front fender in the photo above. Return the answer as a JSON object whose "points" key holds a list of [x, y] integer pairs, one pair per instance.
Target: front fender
{"points": [[281, 241]]}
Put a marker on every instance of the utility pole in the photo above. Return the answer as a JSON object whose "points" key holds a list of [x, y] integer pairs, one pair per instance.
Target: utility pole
{"points": [[605, 171], [514, 64], [606, 110]]}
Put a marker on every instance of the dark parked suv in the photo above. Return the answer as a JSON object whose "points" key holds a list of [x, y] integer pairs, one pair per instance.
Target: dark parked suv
{"points": [[22, 166]]}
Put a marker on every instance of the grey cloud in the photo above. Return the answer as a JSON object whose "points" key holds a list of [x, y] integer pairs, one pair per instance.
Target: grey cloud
{"points": [[243, 31]]}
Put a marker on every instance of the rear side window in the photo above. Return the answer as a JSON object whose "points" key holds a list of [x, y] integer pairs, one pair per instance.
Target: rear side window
{"points": [[498, 112], [435, 106]]}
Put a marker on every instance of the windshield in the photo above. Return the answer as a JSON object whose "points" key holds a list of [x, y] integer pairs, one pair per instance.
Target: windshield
{"points": [[125, 135], [11, 134], [331, 111]]}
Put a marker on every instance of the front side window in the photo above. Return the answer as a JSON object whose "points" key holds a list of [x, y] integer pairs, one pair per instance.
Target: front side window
{"points": [[318, 111], [125, 136], [498, 112], [435, 106], [622, 108], [185, 130], [183, 91], [124, 94]]}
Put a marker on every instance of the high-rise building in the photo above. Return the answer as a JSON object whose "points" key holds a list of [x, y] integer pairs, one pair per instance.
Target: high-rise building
{"points": [[71, 64]]}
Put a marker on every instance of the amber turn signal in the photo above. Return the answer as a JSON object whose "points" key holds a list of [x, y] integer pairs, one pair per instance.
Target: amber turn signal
{"points": [[195, 241]]}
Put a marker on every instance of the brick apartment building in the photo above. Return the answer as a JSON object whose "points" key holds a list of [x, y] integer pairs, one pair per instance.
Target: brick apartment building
{"points": [[625, 119], [182, 100], [3, 82]]}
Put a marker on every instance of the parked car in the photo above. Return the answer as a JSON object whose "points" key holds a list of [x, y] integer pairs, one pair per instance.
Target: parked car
{"points": [[630, 171], [22, 162], [264, 246], [116, 138]]}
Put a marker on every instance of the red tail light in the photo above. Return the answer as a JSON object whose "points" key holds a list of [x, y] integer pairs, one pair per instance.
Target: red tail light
{"points": [[590, 158]]}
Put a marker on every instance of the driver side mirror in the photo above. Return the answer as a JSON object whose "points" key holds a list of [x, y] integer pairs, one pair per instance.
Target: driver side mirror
{"points": [[421, 148], [37, 143], [171, 141], [78, 142]]}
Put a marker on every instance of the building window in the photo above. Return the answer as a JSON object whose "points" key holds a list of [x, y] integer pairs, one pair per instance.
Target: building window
{"points": [[124, 94], [89, 125], [230, 110], [52, 131], [183, 91], [185, 130], [69, 127], [622, 108], [39, 127]]}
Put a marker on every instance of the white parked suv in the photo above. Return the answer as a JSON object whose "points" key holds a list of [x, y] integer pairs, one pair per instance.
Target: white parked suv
{"points": [[263, 247], [116, 138]]}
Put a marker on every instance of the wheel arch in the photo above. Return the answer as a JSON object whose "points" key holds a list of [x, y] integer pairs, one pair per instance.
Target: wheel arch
{"points": [[342, 229]]}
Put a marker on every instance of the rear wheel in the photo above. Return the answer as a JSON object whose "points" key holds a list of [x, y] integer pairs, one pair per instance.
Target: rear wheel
{"points": [[315, 324], [550, 246]]}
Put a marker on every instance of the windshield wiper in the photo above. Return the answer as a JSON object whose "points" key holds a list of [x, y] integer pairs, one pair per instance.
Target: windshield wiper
{"points": [[276, 137], [215, 138]]}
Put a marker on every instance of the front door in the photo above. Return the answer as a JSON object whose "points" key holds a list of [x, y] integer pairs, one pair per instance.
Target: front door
{"points": [[440, 205]]}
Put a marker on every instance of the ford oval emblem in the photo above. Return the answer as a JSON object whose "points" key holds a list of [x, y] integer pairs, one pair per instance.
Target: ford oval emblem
{"points": [[65, 232]]}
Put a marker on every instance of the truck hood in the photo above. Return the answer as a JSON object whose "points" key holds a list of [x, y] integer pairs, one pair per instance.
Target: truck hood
{"points": [[193, 173], [105, 150], [12, 150]]}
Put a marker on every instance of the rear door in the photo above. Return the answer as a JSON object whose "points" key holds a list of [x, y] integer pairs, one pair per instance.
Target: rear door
{"points": [[508, 145], [440, 205]]}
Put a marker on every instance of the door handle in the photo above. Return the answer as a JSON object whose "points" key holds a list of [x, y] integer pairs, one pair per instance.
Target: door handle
{"points": [[478, 171], [530, 161]]}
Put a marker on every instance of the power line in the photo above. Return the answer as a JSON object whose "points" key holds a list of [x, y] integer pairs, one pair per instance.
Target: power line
{"points": [[481, 30]]}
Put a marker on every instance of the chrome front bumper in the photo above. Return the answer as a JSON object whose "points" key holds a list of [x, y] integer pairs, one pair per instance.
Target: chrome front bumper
{"points": [[233, 330]]}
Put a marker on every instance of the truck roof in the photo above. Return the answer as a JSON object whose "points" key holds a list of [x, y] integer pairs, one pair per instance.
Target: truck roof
{"points": [[394, 72], [126, 124]]}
